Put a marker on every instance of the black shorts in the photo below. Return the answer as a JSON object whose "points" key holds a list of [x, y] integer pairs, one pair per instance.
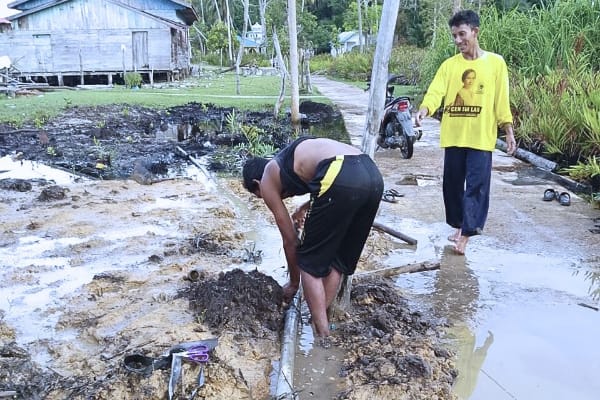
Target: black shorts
{"points": [[345, 196]]}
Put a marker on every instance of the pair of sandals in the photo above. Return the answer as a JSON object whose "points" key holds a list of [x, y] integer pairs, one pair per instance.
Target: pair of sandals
{"points": [[390, 195], [564, 198]]}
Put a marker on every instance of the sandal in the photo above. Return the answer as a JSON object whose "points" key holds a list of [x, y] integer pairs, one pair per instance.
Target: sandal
{"points": [[564, 199], [550, 194], [394, 193], [389, 198], [390, 195]]}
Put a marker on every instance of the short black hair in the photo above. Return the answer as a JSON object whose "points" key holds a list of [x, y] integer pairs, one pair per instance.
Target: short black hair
{"points": [[253, 169], [468, 17]]}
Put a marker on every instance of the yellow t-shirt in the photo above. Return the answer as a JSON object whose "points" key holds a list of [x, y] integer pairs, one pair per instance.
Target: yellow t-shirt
{"points": [[477, 102]]}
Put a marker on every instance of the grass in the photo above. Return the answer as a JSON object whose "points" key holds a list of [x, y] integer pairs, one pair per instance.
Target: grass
{"points": [[256, 93]]}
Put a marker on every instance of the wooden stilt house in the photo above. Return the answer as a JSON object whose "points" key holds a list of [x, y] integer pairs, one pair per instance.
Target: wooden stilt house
{"points": [[72, 42]]}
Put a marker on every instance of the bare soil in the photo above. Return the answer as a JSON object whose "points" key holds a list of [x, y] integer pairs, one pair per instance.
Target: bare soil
{"points": [[177, 279]]}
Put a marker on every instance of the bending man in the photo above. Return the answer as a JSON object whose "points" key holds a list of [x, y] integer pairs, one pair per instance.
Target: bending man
{"points": [[345, 189]]}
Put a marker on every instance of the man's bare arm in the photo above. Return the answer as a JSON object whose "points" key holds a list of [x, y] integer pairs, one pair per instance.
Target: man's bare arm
{"points": [[270, 188]]}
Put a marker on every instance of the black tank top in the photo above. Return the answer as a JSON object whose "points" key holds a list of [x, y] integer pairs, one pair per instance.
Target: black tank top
{"points": [[291, 183]]}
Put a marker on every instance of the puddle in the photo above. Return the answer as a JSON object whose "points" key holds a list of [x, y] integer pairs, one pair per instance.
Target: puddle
{"points": [[334, 129], [316, 370], [39, 271], [518, 328], [13, 168]]}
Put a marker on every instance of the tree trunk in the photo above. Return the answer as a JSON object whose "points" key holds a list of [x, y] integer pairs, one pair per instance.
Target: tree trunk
{"points": [[376, 103], [307, 54], [379, 75], [295, 107], [456, 6], [282, 72], [229, 38], [238, 61], [262, 11], [216, 2], [360, 28]]}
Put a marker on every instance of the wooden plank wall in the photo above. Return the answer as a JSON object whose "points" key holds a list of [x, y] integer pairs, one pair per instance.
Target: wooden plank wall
{"points": [[90, 36]]}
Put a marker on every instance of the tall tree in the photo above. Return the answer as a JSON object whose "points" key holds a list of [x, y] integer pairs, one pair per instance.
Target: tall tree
{"points": [[379, 75], [238, 61], [295, 90], [282, 72], [229, 23], [360, 27], [262, 12]]}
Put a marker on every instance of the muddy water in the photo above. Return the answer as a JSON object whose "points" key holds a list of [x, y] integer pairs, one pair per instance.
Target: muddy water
{"points": [[316, 370], [44, 267]]}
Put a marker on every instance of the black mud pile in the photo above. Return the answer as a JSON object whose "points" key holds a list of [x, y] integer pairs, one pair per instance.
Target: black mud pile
{"points": [[390, 346], [107, 142], [20, 377], [248, 303]]}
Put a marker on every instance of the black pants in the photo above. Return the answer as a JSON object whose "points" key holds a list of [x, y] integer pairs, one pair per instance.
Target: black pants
{"points": [[466, 186], [345, 196]]}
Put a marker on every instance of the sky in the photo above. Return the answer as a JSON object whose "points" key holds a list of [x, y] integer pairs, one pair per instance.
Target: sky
{"points": [[5, 11]]}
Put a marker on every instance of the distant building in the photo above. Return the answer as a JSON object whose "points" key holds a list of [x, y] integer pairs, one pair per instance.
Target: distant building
{"points": [[346, 42], [91, 41], [254, 41]]}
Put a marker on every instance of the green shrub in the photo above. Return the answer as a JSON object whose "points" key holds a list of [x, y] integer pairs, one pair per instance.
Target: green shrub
{"points": [[557, 114], [584, 171], [354, 66], [407, 60], [133, 79], [321, 63], [256, 59]]}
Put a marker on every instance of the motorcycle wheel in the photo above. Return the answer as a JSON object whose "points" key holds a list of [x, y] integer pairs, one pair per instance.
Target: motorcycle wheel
{"points": [[406, 149]]}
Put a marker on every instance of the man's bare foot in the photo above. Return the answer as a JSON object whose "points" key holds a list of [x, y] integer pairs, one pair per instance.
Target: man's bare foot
{"points": [[461, 245], [455, 236]]}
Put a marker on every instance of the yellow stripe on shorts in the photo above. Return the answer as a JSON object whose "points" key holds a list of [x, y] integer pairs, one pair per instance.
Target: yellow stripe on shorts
{"points": [[332, 171]]}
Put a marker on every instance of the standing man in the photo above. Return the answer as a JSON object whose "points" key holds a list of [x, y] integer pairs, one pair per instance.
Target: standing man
{"points": [[345, 189], [469, 130]]}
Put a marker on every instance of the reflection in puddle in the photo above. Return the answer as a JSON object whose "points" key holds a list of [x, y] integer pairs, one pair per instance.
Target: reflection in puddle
{"points": [[470, 357], [513, 317]]}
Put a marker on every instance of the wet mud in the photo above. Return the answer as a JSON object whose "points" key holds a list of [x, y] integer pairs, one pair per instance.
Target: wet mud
{"points": [[174, 283], [391, 349]]}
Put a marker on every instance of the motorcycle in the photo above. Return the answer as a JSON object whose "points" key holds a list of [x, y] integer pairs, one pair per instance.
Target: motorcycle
{"points": [[396, 130]]}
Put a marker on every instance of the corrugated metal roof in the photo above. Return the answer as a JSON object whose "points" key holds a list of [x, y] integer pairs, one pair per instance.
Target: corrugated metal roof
{"points": [[14, 4], [186, 12], [249, 42], [345, 36]]}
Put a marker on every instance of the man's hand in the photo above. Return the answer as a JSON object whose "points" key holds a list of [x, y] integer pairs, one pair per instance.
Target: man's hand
{"points": [[511, 143], [289, 290], [298, 218], [299, 215], [422, 113]]}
